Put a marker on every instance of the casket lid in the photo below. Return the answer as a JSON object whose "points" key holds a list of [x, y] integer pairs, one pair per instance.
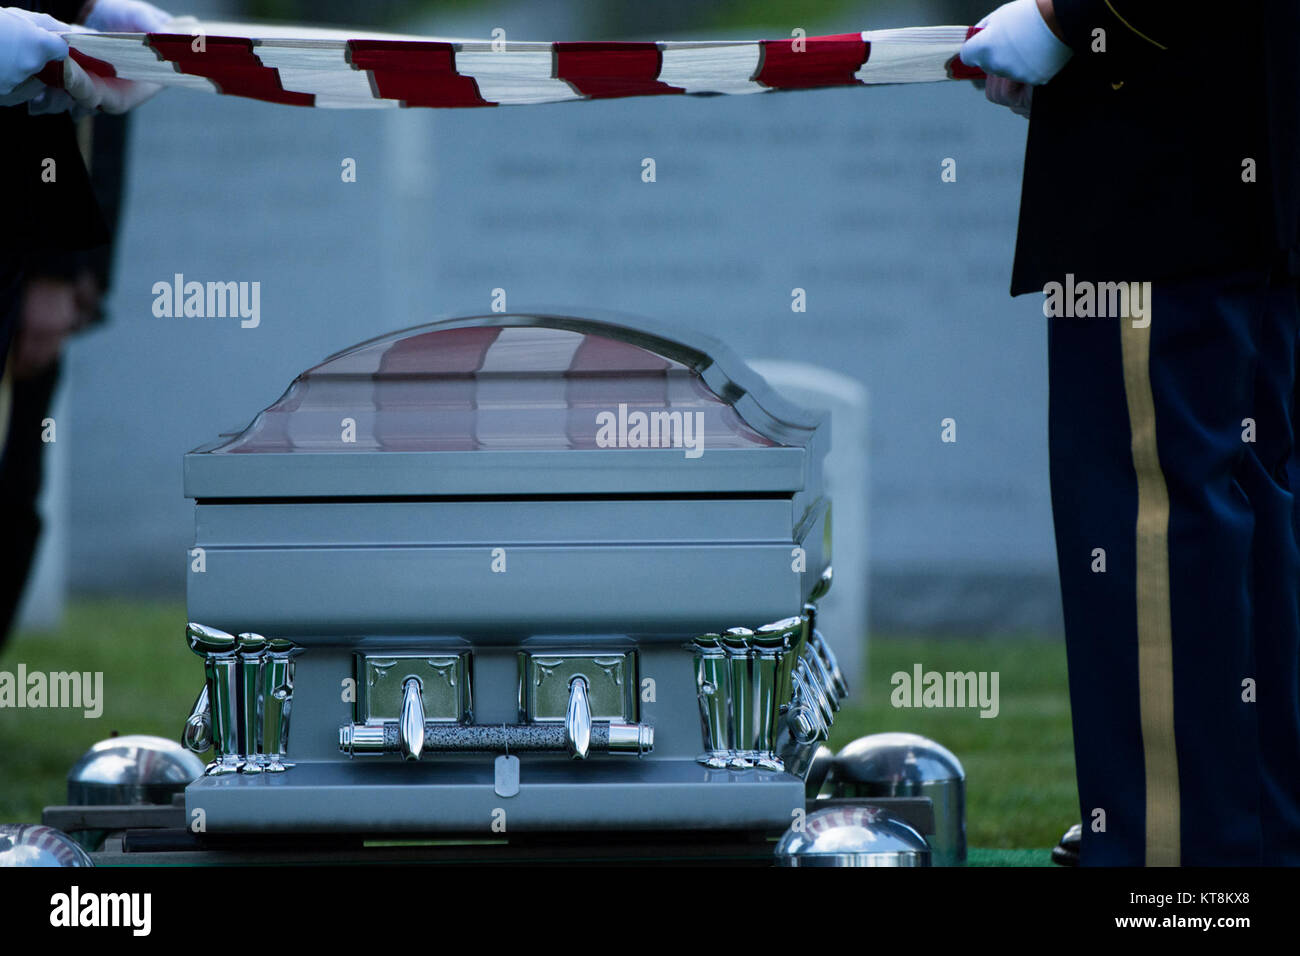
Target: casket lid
{"points": [[520, 405]]}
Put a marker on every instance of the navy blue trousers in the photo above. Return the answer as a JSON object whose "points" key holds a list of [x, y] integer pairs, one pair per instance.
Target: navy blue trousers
{"points": [[1178, 541]]}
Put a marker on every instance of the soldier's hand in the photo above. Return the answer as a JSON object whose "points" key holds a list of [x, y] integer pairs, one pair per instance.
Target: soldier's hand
{"points": [[1013, 94], [1015, 41], [27, 42], [52, 309]]}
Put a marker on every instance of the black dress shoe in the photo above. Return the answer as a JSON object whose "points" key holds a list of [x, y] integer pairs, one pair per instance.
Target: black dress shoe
{"points": [[1066, 853]]}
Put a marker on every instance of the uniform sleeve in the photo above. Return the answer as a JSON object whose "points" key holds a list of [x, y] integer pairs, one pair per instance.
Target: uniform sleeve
{"points": [[1134, 30]]}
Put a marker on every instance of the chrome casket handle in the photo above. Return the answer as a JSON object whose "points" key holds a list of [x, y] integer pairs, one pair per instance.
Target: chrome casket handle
{"points": [[577, 720], [251, 655], [243, 710], [221, 666], [768, 696], [410, 731], [197, 735]]}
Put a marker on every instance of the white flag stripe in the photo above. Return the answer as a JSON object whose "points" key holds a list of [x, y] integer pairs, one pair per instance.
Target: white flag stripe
{"points": [[515, 77], [132, 60], [323, 71], [917, 55], [725, 68]]}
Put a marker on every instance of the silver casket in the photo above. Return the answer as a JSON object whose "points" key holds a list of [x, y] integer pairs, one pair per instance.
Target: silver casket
{"points": [[511, 573]]}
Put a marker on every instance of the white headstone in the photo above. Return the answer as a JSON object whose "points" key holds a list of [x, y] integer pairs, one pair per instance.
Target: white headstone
{"points": [[843, 612]]}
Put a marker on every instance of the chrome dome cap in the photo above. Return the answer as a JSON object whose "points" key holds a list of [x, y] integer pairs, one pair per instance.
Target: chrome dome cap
{"points": [[901, 760], [30, 844], [132, 769], [852, 836], [909, 765]]}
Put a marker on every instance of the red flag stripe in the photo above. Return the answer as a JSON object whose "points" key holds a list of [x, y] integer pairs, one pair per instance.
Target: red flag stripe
{"points": [[957, 70], [51, 74], [91, 65], [230, 63], [803, 63], [418, 74], [607, 70]]}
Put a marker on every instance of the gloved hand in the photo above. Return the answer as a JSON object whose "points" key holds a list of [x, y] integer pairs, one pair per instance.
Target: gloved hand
{"points": [[1016, 42], [27, 42], [1016, 96], [86, 93], [126, 16], [108, 94]]}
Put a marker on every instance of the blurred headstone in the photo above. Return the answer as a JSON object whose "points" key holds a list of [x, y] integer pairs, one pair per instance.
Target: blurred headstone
{"points": [[843, 612]]}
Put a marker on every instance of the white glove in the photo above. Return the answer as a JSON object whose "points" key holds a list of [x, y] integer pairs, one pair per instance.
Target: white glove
{"points": [[27, 42], [126, 16], [1017, 43], [109, 94]]}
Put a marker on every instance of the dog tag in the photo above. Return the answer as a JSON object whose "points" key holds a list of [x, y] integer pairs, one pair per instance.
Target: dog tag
{"points": [[507, 775]]}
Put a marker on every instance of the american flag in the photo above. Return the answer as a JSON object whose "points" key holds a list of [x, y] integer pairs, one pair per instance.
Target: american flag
{"points": [[302, 66]]}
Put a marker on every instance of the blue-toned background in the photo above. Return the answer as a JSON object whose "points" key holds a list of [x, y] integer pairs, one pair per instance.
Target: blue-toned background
{"points": [[837, 192]]}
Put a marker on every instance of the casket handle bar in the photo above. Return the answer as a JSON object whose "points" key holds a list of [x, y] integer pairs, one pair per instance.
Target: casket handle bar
{"points": [[384, 737], [414, 735], [243, 710]]}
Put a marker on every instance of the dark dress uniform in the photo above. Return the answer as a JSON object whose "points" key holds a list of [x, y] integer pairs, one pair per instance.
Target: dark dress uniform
{"points": [[42, 218], [1166, 151], [59, 229]]}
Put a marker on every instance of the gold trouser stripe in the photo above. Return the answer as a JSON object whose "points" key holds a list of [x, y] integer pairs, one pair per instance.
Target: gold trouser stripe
{"points": [[1154, 630], [1133, 28]]}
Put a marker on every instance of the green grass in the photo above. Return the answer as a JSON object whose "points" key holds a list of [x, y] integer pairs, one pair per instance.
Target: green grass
{"points": [[1019, 765], [150, 682]]}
